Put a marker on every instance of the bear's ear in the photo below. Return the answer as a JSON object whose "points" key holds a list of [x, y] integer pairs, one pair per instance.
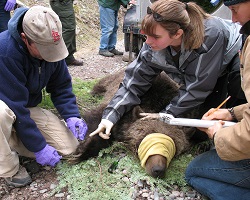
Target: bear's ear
{"points": [[136, 113], [98, 90]]}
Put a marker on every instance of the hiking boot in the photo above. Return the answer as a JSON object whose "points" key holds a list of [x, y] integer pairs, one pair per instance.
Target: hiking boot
{"points": [[75, 62], [106, 53], [20, 179], [116, 52]]}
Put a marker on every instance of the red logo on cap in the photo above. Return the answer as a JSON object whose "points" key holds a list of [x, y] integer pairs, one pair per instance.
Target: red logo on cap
{"points": [[55, 36]]}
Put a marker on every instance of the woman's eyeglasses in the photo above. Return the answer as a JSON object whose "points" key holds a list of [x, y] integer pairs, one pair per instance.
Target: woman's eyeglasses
{"points": [[157, 17]]}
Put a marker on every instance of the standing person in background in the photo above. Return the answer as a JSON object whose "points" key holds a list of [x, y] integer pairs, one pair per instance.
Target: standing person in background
{"points": [[32, 53], [5, 8], [109, 25], [224, 172], [65, 10]]}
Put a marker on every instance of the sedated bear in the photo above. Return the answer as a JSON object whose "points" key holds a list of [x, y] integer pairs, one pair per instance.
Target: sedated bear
{"points": [[154, 141]]}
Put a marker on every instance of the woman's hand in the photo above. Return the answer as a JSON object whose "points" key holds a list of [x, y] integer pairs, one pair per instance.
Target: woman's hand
{"points": [[221, 114], [104, 129], [213, 129]]}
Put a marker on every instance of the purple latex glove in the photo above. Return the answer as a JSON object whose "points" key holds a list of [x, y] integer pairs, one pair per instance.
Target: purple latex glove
{"points": [[10, 4], [48, 156], [78, 127]]}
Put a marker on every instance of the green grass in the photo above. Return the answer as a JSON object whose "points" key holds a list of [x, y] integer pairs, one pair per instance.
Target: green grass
{"points": [[82, 91], [91, 180]]}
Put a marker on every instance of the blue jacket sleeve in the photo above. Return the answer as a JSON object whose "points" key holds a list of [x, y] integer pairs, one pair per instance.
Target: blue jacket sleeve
{"points": [[60, 88]]}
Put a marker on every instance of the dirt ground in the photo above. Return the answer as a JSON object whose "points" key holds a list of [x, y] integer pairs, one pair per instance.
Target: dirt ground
{"points": [[95, 65]]}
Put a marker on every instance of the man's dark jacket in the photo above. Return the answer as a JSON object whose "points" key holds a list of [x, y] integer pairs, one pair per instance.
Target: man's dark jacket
{"points": [[22, 78]]}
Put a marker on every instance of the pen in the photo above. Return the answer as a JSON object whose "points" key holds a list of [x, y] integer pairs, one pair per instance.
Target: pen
{"points": [[220, 105]]}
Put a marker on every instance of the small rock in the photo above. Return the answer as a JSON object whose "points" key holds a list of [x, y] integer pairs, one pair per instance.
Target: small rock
{"points": [[176, 193], [125, 179], [52, 186], [43, 191], [59, 195], [145, 195]]}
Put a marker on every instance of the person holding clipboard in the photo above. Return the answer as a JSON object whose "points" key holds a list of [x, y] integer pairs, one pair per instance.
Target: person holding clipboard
{"points": [[224, 172]]}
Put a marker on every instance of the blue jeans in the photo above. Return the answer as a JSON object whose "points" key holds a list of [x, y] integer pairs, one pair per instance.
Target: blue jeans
{"points": [[109, 26], [4, 17], [218, 179]]}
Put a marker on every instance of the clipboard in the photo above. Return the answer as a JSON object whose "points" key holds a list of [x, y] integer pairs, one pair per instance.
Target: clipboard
{"points": [[169, 119], [196, 122]]}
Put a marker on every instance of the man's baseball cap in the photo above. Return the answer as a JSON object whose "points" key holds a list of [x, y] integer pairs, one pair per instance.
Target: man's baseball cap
{"points": [[43, 26], [233, 2]]}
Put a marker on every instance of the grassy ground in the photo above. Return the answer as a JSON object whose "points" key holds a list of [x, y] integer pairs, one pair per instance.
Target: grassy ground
{"points": [[91, 179]]}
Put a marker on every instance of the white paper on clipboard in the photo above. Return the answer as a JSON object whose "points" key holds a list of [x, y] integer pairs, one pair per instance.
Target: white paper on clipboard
{"points": [[196, 122], [169, 119]]}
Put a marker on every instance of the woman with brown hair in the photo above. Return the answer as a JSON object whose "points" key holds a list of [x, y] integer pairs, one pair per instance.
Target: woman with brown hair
{"points": [[194, 48]]}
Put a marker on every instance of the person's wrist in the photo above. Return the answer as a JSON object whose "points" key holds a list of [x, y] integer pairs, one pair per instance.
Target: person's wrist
{"points": [[231, 111], [212, 139], [106, 121]]}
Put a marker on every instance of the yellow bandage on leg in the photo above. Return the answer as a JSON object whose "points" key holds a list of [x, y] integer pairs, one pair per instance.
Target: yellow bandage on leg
{"points": [[156, 143]]}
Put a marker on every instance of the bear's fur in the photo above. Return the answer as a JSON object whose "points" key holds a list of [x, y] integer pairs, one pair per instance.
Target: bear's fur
{"points": [[131, 128]]}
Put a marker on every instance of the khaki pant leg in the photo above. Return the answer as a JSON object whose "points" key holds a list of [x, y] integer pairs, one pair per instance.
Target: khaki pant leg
{"points": [[9, 162], [54, 131]]}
